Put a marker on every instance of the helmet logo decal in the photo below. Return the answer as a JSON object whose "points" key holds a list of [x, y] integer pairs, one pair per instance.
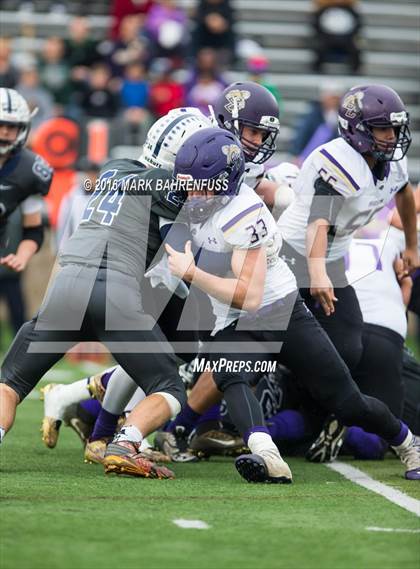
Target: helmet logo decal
{"points": [[236, 96], [398, 118], [353, 104], [232, 153]]}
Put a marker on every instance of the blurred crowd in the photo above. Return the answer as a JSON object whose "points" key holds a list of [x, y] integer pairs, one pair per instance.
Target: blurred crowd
{"points": [[132, 76], [157, 56]]}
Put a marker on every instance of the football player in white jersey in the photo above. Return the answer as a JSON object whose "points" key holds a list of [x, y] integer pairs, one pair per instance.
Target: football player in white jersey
{"points": [[341, 186], [251, 111], [258, 311]]}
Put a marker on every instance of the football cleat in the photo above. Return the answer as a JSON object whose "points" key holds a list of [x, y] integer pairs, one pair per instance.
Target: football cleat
{"points": [[216, 442], [53, 413], [50, 430], [96, 389], [95, 450], [409, 453], [152, 453], [268, 467], [82, 429], [175, 445], [123, 458], [329, 442], [58, 411]]}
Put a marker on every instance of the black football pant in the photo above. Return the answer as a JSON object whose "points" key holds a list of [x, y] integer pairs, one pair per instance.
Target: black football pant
{"points": [[308, 352], [379, 372], [84, 304], [345, 326]]}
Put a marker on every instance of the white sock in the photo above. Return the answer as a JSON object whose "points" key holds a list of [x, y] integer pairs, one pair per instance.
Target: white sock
{"points": [[2, 433], [63, 396], [258, 442], [406, 442], [128, 433], [77, 391]]}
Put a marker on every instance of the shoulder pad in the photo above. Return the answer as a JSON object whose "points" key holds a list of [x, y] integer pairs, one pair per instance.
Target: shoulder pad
{"points": [[343, 168]]}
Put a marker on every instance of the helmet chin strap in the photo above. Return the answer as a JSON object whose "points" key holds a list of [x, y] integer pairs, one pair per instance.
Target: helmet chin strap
{"points": [[235, 116], [212, 115]]}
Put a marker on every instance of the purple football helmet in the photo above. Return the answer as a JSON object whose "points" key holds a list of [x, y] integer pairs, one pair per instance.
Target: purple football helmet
{"points": [[249, 104], [210, 165], [368, 106]]}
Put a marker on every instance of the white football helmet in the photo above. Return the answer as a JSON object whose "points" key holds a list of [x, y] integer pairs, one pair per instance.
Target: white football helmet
{"points": [[14, 110], [167, 134]]}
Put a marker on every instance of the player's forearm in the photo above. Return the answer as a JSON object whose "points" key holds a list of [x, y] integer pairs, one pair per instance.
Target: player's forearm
{"points": [[316, 247], [235, 292], [26, 250], [407, 210]]}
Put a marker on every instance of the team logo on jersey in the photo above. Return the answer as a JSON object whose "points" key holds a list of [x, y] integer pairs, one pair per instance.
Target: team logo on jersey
{"points": [[353, 104], [232, 153], [236, 98]]}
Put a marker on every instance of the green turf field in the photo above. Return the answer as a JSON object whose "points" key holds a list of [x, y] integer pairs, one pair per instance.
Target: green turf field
{"points": [[57, 512]]}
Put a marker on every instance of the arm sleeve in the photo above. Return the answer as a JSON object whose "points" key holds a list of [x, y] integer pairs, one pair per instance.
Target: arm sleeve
{"points": [[34, 234], [212, 262], [326, 203], [175, 234]]}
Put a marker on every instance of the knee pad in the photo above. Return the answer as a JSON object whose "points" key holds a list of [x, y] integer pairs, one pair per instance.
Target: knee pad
{"points": [[173, 402]]}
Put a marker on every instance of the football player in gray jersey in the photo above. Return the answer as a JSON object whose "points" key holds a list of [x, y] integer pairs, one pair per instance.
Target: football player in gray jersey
{"points": [[24, 178], [96, 296]]}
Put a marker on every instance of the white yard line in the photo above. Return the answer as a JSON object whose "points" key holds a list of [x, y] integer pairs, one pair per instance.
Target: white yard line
{"points": [[191, 524], [362, 479], [393, 530]]}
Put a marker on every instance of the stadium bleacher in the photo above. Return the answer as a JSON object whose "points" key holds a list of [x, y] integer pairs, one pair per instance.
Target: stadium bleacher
{"points": [[391, 39]]}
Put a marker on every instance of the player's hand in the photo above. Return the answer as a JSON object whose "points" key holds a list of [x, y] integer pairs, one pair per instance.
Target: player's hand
{"points": [[13, 262], [181, 265], [324, 294], [411, 260]]}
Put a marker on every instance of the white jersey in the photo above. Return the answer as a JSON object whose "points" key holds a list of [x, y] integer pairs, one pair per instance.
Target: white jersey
{"points": [[371, 272], [245, 223], [254, 173], [349, 174]]}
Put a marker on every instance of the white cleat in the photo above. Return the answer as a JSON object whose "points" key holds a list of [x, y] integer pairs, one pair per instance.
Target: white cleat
{"points": [[409, 453], [53, 414], [59, 407], [267, 466]]}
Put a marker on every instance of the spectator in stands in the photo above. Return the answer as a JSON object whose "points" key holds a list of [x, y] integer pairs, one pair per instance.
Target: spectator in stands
{"points": [[134, 98], [337, 25], [54, 72], [165, 92], [166, 27], [206, 83], [214, 21], [99, 98], [80, 49], [257, 66], [319, 124], [8, 74], [36, 96], [130, 47], [122, 8]]}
